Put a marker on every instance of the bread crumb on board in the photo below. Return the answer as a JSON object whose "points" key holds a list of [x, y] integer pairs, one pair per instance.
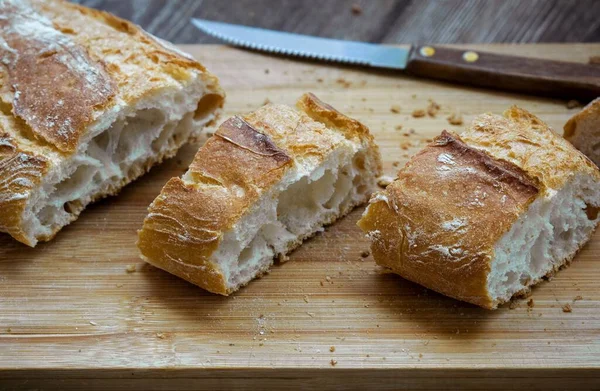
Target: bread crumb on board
{"points": [[365, 253], [160, 336], [130, 268], [398, 127], [455, 119], [332, 349], [333, 362], [418, 113], [578, 297], [572, 104], [356, 9], [530, 303], [344, 83], [567, 308], [433, 108], [395, 109]]}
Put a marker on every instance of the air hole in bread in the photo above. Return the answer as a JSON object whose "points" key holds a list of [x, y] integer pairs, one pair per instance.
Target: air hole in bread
{"points": [[551, 230], [207, 105], [113, 157], [297, 209]]}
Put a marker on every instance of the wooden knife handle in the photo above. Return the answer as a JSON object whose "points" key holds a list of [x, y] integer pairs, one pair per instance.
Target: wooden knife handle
{"points": [[567, 80]]}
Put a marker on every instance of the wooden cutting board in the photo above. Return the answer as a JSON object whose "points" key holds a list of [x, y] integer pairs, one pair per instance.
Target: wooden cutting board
{"points": [[72, 316]]}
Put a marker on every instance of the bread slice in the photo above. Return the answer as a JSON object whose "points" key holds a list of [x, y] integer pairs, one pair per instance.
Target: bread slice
{"points": [[260, 186], [88, 103], [583, 131], [484, 216]]}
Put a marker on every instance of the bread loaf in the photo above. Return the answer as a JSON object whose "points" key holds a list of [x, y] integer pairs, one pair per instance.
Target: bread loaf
{"points": [[483, 216], [88, 103], [583, 131], [260, 186]]}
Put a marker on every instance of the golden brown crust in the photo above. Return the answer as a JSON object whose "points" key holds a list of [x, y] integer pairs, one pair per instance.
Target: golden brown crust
{"points": [[66, 69], [351, 128], [243, 160], [19, 173], [185, 224], [526, 141], [57, 87], [583, 131], [438, 223], [432, 225]]}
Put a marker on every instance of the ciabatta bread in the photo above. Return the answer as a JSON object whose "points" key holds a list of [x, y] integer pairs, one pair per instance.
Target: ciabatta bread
{"points": [[88, 103], [583, 131], [484, 216], [260, 186]]}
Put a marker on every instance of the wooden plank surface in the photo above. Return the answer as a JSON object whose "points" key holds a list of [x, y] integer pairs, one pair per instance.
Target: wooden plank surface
{"points": [[70, 311], [390, 21]]}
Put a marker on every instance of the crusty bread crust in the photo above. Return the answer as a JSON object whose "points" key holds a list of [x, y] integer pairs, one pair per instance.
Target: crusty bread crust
{"points": [[243, 160], [438, 222], [583, 131], [432, 225], [56, 82]]}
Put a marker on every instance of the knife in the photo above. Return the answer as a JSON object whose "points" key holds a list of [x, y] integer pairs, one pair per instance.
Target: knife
{"points": [[560, 79]]}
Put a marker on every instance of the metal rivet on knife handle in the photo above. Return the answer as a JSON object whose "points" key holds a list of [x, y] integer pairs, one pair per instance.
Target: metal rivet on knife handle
{"points": [[470, 56], [427, 51]]}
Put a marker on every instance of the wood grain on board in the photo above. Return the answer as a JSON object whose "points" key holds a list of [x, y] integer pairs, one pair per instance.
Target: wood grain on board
{"points": [[72, 316]]}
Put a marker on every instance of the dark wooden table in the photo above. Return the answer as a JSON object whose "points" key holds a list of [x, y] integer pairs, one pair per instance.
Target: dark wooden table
{"points": [[390, 21]]}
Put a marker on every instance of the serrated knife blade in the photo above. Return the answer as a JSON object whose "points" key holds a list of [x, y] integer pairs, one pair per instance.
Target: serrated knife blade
{"points": [[306, 46], [561, 79]]}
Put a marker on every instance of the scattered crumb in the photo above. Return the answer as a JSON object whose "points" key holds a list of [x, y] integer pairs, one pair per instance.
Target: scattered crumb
{"points": [[418, 113], [594, 60], [160, 336], [405, 145], [395, 164], [332, 349], [356, 9], [420, 355], [455, 119], [433, 108], [266, 71], [345, 83], [333, 362], [398, 127], [130, 268], [411, 131], [384, 181], [530, 303], [395, 109], [319, 80], [328, 278], [93, 323], [8, 330], [266, 101], [305, 298], [513, 305], [365, 253], [578, 297], [573, 104], [119, 285], [567, 308], [321, 283]]}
